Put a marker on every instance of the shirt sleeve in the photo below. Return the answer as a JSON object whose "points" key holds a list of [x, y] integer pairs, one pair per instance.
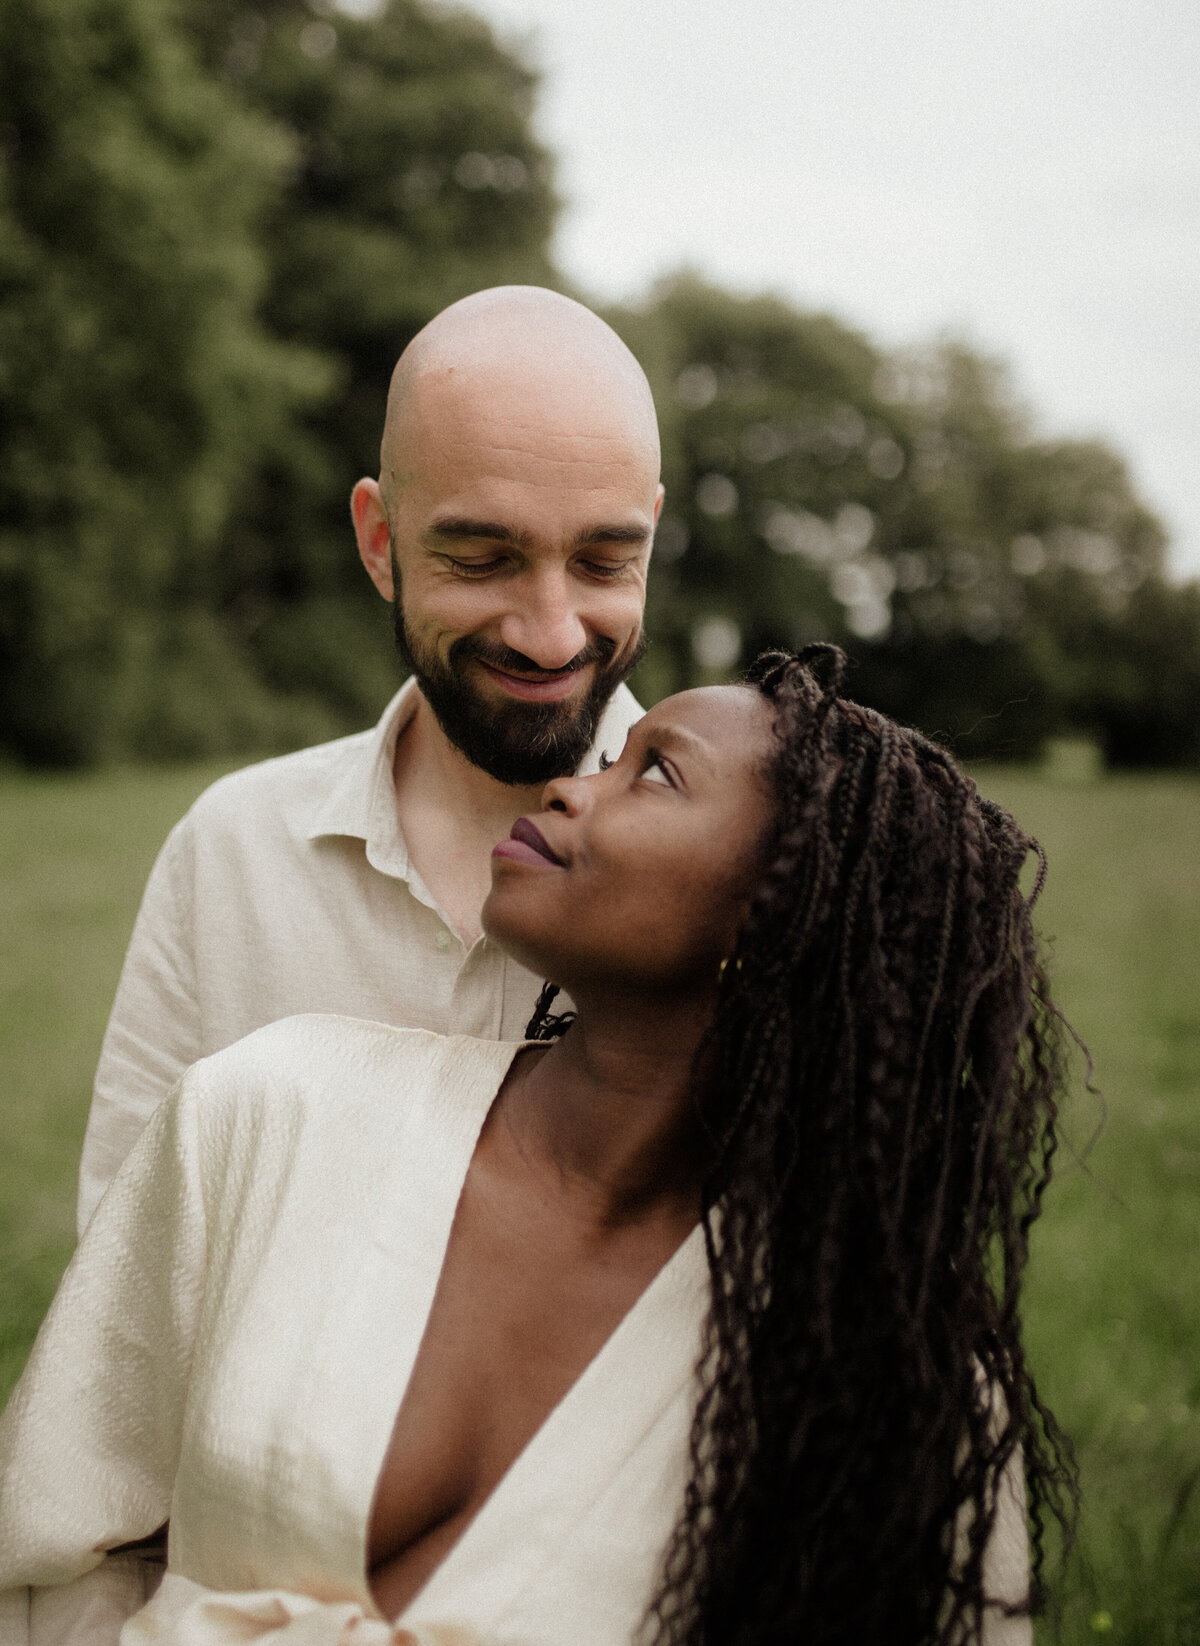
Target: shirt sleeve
{"points": [[154, 1032], [89, 1444]]}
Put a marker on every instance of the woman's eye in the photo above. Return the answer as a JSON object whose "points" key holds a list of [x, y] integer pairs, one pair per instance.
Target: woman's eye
{"points": [[605, 762], [656, 772]]}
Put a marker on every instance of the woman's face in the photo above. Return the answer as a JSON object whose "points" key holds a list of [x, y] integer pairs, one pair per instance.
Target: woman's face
{"points": [[640, 875]]}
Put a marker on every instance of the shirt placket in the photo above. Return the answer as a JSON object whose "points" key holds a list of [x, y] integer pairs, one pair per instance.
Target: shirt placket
{"points": [[477, 1000]]}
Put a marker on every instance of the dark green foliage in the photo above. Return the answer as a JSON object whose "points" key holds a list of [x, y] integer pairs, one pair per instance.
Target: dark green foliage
{"points": [[1140, 677], [979, 695], [760, 408], [212, 248], [817, 488], [136, 385], [416, 180], [220, 224]]}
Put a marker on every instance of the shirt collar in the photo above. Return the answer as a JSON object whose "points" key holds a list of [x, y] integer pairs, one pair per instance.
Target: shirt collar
{"points": [[362, 801]]}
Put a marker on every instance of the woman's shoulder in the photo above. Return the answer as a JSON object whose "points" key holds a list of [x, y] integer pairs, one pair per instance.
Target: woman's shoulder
{"points": [[326, 1073], [318, 1039]]}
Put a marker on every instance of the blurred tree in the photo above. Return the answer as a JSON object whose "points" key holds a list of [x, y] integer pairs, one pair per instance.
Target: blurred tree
{"points": [[1005, 551], [818, 487], [763, 411], [416, 179], [136, 386], [213, 245], [1138, 671]]}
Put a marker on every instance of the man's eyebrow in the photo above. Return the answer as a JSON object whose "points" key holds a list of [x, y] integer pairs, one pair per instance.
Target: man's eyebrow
{"points": [[456, 526], [453, 528], [615, 534]]}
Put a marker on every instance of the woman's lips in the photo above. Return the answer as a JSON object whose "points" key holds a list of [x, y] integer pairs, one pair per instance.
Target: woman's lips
{"points": [[527, 844]]}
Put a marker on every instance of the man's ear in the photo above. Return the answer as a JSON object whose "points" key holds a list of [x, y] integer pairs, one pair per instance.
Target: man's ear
{"points": [[373, 536], [658, 501]]}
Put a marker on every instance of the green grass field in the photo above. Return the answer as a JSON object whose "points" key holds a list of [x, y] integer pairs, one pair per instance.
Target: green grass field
{"points": [[1114, 1303]]}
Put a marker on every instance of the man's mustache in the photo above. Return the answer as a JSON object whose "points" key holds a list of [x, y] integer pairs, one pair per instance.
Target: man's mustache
{"points": [[599, 649]]}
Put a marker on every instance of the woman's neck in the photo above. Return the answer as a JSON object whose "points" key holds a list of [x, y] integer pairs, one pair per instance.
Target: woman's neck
{"points": [[610, 1108]]}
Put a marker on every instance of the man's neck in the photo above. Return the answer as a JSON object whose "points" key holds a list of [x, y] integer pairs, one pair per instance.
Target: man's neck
{"points": [[451, 814]]}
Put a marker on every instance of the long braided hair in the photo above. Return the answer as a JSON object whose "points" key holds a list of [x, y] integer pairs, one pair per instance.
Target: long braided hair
{"points": [[882, 1124]]}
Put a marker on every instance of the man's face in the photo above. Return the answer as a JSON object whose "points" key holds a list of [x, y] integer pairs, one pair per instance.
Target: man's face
{"points": [[514, 740], [520, 530]]}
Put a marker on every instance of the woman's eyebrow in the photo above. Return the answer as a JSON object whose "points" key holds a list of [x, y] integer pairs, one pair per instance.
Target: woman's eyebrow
{"points": [[677, 737]]}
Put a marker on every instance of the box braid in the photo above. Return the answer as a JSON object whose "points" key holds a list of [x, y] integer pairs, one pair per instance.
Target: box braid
{"points": [[882, 1124]]}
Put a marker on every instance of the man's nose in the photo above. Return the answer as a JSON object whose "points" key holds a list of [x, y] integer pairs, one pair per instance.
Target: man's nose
{"points": [[544, 622]]}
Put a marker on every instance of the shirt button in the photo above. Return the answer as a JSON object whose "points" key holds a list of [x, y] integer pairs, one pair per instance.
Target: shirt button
{"points": [[443, 939]]}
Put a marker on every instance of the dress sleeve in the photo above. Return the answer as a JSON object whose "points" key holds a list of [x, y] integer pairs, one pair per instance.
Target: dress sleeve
{"points": [[154, 1032], [183, 1613], [1006, 1561], [89, 1443]]}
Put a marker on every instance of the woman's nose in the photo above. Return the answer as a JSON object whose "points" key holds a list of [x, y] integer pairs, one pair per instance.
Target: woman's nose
{"points": [[566, 794]]}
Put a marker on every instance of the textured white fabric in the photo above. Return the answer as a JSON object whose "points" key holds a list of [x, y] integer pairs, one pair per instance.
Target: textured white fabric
{"points": [[183, 1613], [232, 1341], [287, 888]]}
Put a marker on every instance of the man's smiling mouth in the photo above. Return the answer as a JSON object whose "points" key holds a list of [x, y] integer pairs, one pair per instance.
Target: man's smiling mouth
{"points": [[546, 686]]}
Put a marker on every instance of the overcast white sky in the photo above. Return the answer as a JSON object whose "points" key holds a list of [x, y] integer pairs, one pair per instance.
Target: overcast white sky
{"points": [[1023, 172]]}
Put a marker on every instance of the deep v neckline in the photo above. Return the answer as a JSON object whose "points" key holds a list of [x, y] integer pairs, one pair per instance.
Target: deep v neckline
{"points": [[653, 1346]]}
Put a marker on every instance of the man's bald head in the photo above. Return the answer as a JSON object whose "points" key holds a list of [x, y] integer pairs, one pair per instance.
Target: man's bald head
{"points": [[512, 522], [526, 355]]}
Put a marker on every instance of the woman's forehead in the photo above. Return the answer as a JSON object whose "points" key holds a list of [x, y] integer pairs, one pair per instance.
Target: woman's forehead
{"points": [[728, 720]]}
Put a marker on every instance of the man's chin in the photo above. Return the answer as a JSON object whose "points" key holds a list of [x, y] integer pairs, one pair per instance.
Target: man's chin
{"points": [[517, 742], [521, 732]]}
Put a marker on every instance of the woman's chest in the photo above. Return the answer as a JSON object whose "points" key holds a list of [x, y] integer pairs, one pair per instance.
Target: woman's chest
{"points": [[321, 1280], [524, 1305], [285, 1443]]}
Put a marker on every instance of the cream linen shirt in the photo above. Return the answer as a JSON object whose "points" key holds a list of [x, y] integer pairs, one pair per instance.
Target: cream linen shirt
{"points": [[288, 888]]}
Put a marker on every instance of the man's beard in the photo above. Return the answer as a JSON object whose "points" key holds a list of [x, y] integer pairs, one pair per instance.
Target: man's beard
{"points": [[515, 742]]}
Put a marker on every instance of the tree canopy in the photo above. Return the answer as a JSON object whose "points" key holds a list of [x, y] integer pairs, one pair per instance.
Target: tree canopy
{"points": [[221, 222], [416, 178], [216, 235], [818, 487], [137, 384]]}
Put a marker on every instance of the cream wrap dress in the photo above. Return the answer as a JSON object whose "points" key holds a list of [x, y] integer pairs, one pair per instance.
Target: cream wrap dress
{"points": [[233, 1340]]}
